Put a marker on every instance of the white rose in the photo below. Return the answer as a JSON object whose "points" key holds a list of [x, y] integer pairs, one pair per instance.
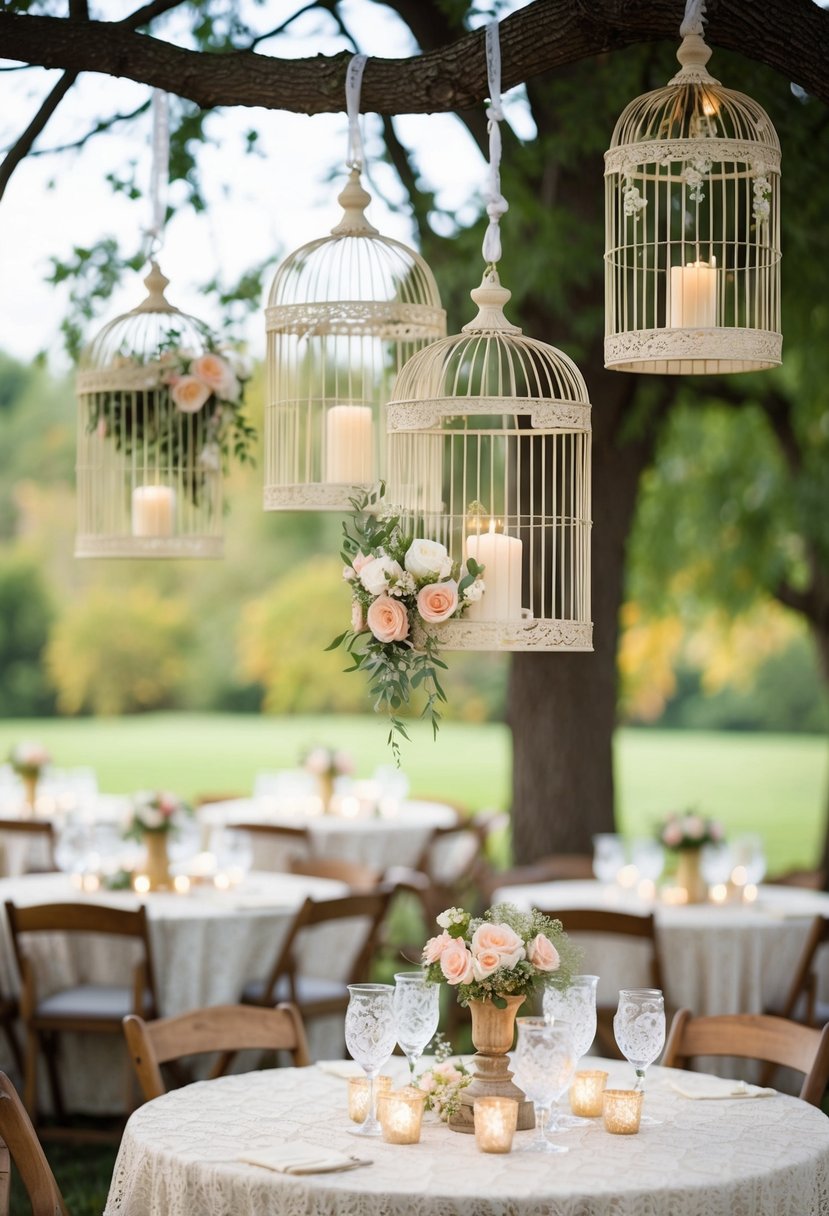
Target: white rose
{"points": [[151, 817], [474, 591], [427, 559], [378, 573], [509, 960]]}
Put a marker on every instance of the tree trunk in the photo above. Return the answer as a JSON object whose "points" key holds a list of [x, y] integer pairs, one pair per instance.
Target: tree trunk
{"points": [[821, 636]]}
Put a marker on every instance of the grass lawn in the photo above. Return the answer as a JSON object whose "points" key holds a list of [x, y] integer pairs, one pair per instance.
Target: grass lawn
{"points": [[772, 784]]}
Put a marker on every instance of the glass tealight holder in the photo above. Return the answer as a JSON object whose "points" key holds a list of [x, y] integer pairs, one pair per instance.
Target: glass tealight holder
{"points": [[400, 1112], [586, 1093], [622, 1111], [358, 1095], [495, 1123]]}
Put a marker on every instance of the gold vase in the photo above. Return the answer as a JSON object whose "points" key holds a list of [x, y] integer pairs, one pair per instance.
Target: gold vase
{"points": [[157, 862], [325, 785], [689, 876], [493, 1031], [29, 793]]}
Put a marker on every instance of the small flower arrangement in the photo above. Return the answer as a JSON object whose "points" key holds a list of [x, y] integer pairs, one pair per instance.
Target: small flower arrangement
{"points": [[505, 952], [687, 830], [444, 1082], [28, 759], [327, 762], [401, 587], [154, 812], [210, 385]]}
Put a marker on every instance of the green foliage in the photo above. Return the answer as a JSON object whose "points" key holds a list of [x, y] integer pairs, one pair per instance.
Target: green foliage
{"points": [[26, 615], [115, 653]]}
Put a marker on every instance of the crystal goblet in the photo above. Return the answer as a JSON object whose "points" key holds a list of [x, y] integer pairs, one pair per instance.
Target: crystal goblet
{"points": [[544, 1064], [639, 1028], [575, 1005], [370, 1038], [416, 1014]]}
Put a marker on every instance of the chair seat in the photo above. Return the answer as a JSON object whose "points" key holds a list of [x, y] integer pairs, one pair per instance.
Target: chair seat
{"points": [[91, 1001], [310, 991]]}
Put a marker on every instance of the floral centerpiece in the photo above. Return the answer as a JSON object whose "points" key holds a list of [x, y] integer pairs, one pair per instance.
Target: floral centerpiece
{"points": [[28, 760], [688, 830], [326, 764], [401, 587], [444, 1082], [153, 817]]}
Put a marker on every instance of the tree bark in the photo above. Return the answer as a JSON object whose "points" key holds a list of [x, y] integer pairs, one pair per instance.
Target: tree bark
{"points": [[544, 35]]}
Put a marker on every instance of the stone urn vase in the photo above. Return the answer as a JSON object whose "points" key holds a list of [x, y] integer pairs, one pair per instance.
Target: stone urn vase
{"points": [[493, 1031], [689, 876], [157, 862]]}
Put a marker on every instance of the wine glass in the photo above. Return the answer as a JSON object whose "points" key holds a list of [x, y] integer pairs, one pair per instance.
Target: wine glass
{"points": [[639, 1027], [370, 1038], [416, 1014], [575, 1005], [608, 856], [544, 1063]]}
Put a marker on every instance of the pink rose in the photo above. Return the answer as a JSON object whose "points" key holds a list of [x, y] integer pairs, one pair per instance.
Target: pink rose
{"points": [[190, 394], [500, 938], [388, 620], [456, 963], [437, 601], [542, 954], [485, 962], [448, 1071], [672, 835], [435, 947], [358, 617], [361, 560], [427, 1083]]}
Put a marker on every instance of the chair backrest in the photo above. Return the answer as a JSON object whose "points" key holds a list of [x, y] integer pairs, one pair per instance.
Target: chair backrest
{"points": [[356, 874], [85, 918], [40, 832], [17, 1132], [753, 1036], [275, 846], [368, 906], [606, 922], [219, 1028], [799, 1002], [556, 868]]}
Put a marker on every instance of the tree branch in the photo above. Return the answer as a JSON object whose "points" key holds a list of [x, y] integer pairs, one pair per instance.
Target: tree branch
{"points": [[544, 35], [22, 146]]}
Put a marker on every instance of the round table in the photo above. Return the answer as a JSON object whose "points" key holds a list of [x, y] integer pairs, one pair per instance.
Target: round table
{"points": [[381, 841], [729, 958], [742, 1157], [205, 946]]}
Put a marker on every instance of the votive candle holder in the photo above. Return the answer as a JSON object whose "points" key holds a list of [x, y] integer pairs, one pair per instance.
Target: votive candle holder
{"points": [[400, 1112], [495, 1123], [586, 1093], [358, 1095], [622, 1111]]}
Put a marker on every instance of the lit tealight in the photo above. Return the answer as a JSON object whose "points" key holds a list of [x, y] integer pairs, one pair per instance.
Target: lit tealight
{"points": [[628, 877], [349, 807], [719, 893], [90, 883], [221, 881], [203, 865], [739, 876], [141, 884], [749, 892], [181, 884], [495, 1122], [401, 1114], [646, 889], [674, 895]]}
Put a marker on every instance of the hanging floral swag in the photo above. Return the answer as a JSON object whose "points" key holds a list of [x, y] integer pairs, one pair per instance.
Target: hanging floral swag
{"points": [[209, 388], [401, 586]]}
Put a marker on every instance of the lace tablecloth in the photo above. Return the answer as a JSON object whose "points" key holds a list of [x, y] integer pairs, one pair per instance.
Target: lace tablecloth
{"points": [[742, 1157]]}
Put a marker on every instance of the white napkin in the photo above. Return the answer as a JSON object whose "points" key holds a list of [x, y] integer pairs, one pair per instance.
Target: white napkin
{"points": [[300, 1159], [718, 1087]]}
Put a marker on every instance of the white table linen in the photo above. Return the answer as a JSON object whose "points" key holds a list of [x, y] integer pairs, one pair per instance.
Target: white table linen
{"points": [[180, 1156]]}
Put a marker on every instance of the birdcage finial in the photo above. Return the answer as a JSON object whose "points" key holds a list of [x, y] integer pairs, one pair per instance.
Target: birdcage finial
{"points": [[491, 298], [156, 284], [354, 198]]}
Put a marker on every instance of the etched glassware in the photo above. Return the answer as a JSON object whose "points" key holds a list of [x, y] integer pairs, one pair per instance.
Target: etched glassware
{"points": [[639, 1028], [575, 1005], [416, 1014], [370, 1039], [544, 1063]]}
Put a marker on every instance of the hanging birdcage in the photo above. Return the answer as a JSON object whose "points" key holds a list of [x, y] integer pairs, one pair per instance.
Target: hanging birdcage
{"points": [[489, 453], [692, 221], [344, 314], [157, 405]]}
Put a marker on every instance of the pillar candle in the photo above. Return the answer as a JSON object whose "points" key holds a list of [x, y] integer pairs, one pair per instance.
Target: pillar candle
{"points": [[153, 511], [694, 295], [348, 444], [502, 557]]}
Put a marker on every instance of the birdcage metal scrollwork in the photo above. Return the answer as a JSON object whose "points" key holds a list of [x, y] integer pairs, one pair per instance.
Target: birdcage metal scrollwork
{"points": [[692, 222], [489, 453]]}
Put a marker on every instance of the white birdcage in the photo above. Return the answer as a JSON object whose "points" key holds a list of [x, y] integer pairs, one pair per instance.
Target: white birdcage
{"points": [[692, 221], [344, 314], [153, 404], [489, 453]]}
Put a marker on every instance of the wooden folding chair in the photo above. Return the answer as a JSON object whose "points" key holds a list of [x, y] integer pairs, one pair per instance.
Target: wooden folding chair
{"points": [[219, 1028], [559, 867], [41, 833], [753, 1036], [18, 1135], [276, 846], [800, 1002], [83, 1008], [355, 874], [612, 924], [316, 996]]}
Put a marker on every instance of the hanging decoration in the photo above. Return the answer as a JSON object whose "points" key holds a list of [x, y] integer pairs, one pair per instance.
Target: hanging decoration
{"points": [[159, 416], [344, 313], [489, 455], [692, 221]]}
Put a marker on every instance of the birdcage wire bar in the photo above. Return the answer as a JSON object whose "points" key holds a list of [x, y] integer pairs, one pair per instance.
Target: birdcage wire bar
{"points": [[344, 314], [692, 225], [149, 480]]}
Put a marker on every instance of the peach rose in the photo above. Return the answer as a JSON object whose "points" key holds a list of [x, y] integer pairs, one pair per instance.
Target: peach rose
{"points": [[388, 620], [456, 963], [437, 601], [190, 394], [485, 962], [542, 954], [358, 617], [361, 560], [435, 947], [499, 938]]}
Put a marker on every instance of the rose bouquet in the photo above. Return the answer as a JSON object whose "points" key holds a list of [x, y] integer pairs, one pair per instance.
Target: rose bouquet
{"points": [[687, 830], [401, 586], [503, 953], [154, 812], [28, 759]]}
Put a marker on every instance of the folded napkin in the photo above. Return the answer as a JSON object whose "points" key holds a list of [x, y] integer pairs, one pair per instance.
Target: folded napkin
{"points": [[718, 1087], [301, 1159]]}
